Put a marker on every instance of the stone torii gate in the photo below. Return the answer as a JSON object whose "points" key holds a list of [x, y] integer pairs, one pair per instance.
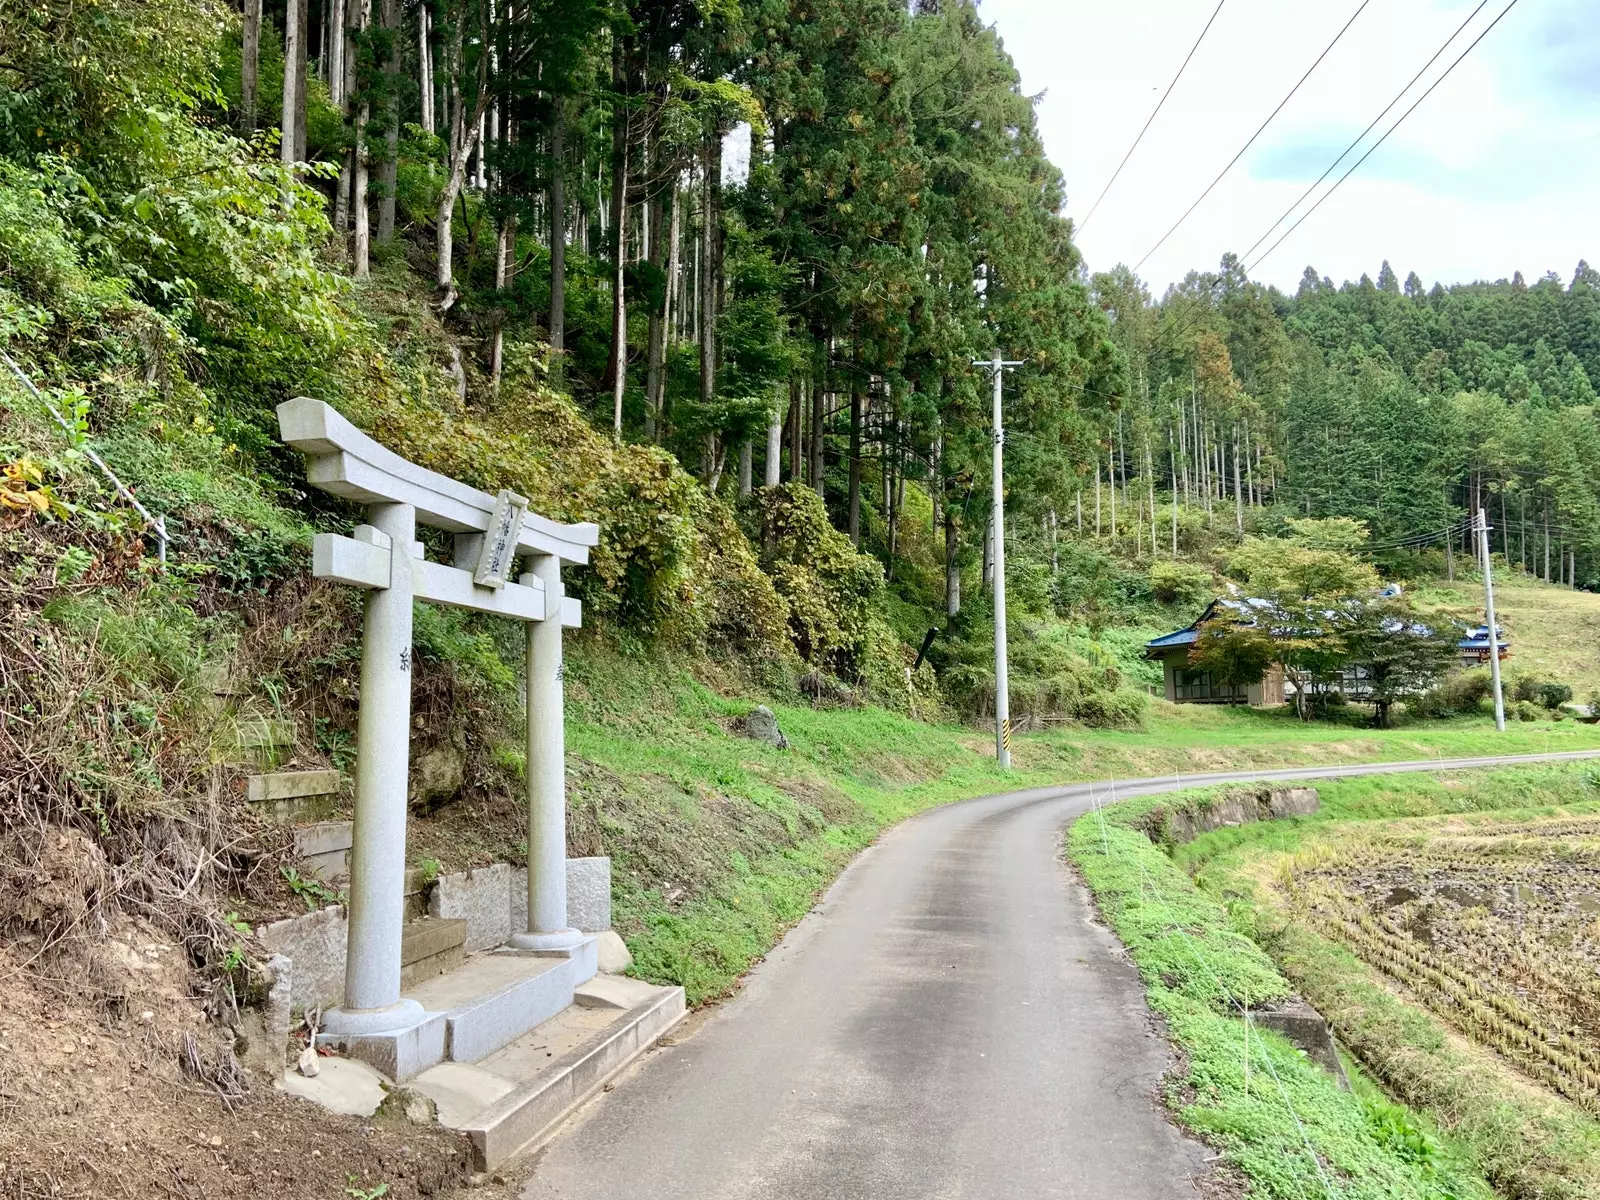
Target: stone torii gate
{"points": [[385, 558]]}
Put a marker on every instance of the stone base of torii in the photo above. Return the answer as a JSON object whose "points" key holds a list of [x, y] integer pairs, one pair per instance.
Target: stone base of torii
{"points": [[384, 558]]}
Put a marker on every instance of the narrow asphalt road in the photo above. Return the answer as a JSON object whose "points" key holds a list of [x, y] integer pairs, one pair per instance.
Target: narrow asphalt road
{"points": [[948, 1024]]}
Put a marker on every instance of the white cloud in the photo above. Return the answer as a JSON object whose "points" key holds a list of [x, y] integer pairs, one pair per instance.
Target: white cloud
{"points": [[1497, 171]]}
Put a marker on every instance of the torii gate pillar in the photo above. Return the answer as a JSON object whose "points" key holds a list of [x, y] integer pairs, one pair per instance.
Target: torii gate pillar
{"points": [[376, 908], [547, 791]]}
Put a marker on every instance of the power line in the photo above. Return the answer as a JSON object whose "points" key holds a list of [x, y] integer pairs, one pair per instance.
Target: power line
{"points": [[1368, 129], [1254, 135], [1085, 224], [1385, 137]]}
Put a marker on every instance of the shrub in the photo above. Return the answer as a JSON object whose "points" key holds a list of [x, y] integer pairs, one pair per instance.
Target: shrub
{"points": [[1458, 692], [1553, 695], [1526, 710], [831, 588], [1181, 583], [1526, 687]]}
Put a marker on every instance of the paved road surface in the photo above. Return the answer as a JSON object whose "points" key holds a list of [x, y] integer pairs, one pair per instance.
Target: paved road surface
{"points": [[948, 1024]]}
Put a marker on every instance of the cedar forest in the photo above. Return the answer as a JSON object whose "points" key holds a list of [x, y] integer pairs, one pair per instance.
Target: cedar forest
{"points": [[713, 274]]}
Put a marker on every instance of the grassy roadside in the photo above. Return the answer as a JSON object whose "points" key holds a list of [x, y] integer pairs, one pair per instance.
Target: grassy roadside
{"points": [[1280, 1121], [1524, 1140], [719, 844]]}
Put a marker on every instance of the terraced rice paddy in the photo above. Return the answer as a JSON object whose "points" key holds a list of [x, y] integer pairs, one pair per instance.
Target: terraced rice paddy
{"points": [[1493, 927]]}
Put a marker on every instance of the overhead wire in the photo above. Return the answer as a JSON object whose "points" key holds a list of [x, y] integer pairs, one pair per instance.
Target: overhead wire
{"points": [[1356, 165], [1270, 117], [1362, 135], [1084, 224]]}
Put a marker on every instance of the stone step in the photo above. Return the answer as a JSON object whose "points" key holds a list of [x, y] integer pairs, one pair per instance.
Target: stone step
{"points": [[255, 740], [286, 797], [495, 998], [430, 946], [511, 1101], [324, 848]]}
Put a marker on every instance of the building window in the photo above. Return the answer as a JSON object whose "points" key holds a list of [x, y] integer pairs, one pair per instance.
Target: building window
{"points": [[1199, 685]]}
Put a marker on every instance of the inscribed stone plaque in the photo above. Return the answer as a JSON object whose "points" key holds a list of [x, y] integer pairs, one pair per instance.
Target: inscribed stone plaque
{"points": [[500, 540]]}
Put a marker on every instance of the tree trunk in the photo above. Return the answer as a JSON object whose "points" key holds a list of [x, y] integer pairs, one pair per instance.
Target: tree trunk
{"points": [[425, 69], [463, 131], [774, 448], [558, 228], [1111, 471], [711, 259], [359, 17], [656, 337], [855, 464], [250, 67], [336, 60], [746, 466], [388, 175], [796, 470], [620, 147], [1097, 493], [291, 146], [1238, 496], [505, 265], [1172, 454], [672, 317], [819, 397]]}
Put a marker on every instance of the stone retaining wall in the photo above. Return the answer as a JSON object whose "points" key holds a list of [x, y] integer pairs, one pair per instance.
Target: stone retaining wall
{"points": [[1241, 806]]}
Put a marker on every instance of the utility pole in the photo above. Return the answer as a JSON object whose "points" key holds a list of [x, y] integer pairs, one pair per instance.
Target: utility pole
{"points": [[1002, 682], [1494, 633]]}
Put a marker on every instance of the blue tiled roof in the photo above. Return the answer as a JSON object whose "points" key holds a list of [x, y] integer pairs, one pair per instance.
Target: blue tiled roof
{"points": [[1183, 637]]}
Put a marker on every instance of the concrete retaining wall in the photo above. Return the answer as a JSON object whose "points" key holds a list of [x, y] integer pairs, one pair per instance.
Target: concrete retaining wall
{"points": [[492, 900]]}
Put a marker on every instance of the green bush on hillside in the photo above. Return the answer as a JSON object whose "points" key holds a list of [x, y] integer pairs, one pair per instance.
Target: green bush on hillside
{"points": [[1181, 583]]}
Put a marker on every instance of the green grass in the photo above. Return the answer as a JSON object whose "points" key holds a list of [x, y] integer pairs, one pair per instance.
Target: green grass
{"points": [[1554, 631], [1527, 1142], [1278, 1119]]}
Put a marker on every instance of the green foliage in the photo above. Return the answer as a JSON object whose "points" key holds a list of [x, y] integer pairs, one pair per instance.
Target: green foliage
{"points": [[1273, 566], [1458, 692], [1237, 652], [832, 591], [1553, 695], [1174, 582], [309, 888]]}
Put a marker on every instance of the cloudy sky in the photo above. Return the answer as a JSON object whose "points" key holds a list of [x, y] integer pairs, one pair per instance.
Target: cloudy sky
{"points": [[1497, 171]]}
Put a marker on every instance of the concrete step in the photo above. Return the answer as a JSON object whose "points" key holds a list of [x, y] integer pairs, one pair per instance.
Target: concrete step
{"points": [[510, 1101], [495, 998], [430, 946]]}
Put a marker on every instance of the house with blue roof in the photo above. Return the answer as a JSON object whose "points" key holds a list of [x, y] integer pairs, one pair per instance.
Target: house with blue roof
{"points": [[1186, 684], [1474, 646], [1193, 685]]}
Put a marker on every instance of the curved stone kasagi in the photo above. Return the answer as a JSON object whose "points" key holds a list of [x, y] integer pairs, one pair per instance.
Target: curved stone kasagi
{"points": [[348, 463]]}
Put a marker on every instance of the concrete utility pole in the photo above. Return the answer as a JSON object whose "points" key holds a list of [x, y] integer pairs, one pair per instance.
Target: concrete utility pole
{"points": [[1494, 633], [1002, 682]]}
